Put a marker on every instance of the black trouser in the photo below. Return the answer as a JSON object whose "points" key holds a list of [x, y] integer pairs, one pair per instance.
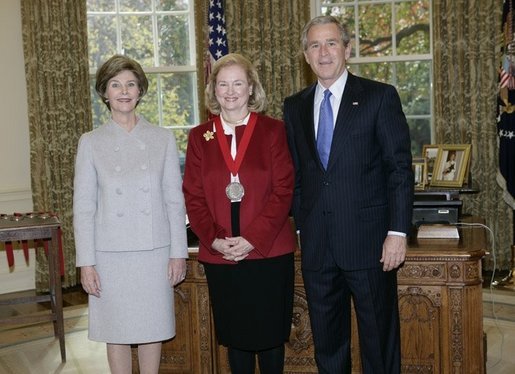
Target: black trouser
{"points": [[271, 361]]}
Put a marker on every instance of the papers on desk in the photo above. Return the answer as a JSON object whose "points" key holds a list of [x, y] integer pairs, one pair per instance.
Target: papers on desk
{"points": [[437, 231]]}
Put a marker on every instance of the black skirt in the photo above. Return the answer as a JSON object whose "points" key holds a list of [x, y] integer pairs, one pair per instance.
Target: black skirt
{"points": [[252, 302]]}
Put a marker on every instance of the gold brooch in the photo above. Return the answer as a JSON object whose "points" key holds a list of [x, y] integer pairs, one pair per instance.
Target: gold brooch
{"points": [[208, 135]]}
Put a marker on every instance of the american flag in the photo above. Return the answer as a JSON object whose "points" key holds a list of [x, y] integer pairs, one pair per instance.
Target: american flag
{"points": [[217, 35], [506, 115], [506, 78]]}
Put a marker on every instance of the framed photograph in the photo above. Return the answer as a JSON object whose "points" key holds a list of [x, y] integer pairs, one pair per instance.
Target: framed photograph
{"points": [[419, 165], [430, 152], [451, 165], [467, 170]]}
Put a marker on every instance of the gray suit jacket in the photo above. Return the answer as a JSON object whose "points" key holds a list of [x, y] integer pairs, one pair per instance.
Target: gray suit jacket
{"points": [[128, 192]]}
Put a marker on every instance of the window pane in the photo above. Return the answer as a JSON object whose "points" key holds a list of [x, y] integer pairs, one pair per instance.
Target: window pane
{"points": [[413, 84], [420, 133], [135, 5], [346, 16], [149, 104], [101, 39], [137, 39], [181, 138], [178, 97], [381, 71], [375, 27], [156, 33], [174, 95], [412, 27], [173, 36], [100, 5], [167, 5]]}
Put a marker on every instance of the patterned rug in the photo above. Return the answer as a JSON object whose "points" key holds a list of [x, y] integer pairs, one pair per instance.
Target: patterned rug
{"points": [[75, 319]]}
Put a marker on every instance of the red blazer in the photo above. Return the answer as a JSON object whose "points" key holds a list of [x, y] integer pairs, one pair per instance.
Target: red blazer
{"points": [[267, 176]]}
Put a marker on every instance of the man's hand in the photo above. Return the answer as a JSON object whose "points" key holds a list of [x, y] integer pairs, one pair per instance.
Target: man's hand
{"points": [[394, 251]]}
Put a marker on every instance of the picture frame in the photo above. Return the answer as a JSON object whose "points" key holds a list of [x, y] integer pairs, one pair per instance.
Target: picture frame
{"points": [[451, 165], [419, 166], [466, 178], [430, 153]]}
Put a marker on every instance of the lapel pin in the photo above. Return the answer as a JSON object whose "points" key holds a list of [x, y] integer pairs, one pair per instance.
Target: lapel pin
{"points": [[355, 103], [208, 135]]}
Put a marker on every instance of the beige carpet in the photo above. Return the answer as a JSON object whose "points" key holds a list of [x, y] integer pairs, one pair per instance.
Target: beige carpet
{"points": [[499, 304]]}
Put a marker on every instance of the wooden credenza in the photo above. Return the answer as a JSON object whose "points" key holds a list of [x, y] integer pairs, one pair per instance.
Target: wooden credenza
{"points": [[440, 303]]}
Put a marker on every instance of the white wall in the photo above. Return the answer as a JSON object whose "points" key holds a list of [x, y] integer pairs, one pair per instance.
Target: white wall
{"points": [[15, 194]]}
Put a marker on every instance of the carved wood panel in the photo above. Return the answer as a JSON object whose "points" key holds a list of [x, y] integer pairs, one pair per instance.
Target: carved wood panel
{"points": [[440, 309], [420, 313]]}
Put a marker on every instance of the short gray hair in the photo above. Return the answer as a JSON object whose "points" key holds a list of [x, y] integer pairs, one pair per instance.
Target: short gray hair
{"points": [[324, 20]]}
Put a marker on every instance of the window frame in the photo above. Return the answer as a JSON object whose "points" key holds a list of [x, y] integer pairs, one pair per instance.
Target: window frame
{"points": [[316, 7], [166, 69]]}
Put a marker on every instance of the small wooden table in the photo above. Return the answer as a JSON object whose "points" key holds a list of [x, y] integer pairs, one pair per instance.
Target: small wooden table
{"points": [[38, 226]]}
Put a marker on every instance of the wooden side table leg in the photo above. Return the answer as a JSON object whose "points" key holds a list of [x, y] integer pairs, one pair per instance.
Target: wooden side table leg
{"points": [[56, 292]]}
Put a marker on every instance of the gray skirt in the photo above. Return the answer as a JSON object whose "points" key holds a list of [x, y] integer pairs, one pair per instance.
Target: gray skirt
{"points": [[136, 299]]}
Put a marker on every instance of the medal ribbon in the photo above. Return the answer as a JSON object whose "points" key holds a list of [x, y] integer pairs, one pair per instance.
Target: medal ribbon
{"points": [[234, 165]]}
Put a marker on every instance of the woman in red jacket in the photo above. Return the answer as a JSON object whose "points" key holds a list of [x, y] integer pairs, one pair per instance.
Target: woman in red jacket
{"points": [[238, 186]]}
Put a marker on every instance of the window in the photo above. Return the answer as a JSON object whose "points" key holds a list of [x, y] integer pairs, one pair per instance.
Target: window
{"points": [[160, 35], [393, 46]]}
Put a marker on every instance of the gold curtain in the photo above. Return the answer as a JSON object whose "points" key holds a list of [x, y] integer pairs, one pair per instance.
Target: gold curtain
{"points": [[467, 37], [56, 67], [268, 33], [201, 10]]}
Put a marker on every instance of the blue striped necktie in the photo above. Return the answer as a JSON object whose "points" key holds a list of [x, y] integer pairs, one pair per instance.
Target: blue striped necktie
{"points": [[325, 129]]}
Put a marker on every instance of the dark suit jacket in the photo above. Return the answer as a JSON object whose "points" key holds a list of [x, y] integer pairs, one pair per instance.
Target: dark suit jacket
{"points": [[368, 186], [267, 176]]}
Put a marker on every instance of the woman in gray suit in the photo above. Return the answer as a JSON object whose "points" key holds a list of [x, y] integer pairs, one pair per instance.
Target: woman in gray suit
{"points": [[129, 223]]}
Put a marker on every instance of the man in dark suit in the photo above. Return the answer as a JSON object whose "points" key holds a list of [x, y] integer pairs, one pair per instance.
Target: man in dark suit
{"points": [[352, 202]]}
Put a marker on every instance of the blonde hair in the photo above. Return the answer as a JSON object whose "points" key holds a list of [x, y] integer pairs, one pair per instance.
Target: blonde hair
{"points": [[257, 100]]}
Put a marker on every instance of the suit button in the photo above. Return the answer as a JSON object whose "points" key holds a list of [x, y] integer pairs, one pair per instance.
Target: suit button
{"points": [[119, 214], [145, 189], [117, 149], [326, 183], [119, 191], [144, 167], [118, 168], [146, 212]]}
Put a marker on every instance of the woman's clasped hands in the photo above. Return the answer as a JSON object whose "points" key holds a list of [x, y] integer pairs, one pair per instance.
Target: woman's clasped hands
{"points": [[233, 249]]}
